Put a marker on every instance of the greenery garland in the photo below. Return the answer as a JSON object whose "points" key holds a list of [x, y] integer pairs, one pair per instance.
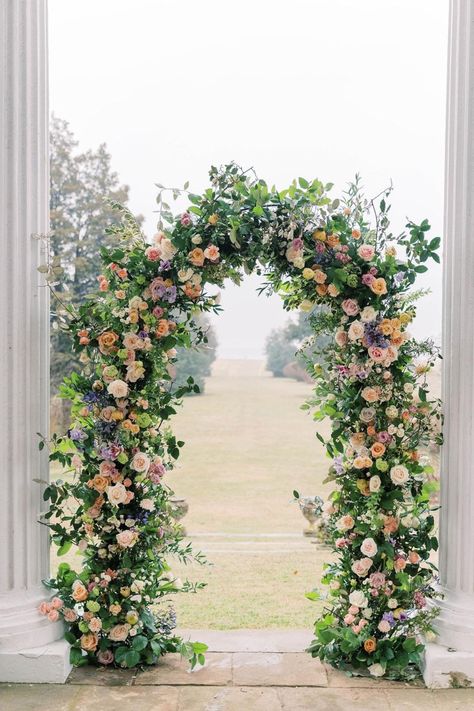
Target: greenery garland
{"points": [[116, 508]]}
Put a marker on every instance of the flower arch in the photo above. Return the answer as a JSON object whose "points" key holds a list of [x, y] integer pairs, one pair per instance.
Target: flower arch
{"points": [[314, 251]]}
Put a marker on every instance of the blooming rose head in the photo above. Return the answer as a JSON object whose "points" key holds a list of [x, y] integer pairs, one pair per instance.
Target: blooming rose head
{"points": [[377, 580], [350, 307], [119, 633], [378, 286], [361, 567], [140, 462], [105, 657], [118, 388], [366, 252], [89, 641], [399, 474], [345, 523], [358, 598], [369, 547], [196, 257], [126, 539], [79, 591], [117, 494]]}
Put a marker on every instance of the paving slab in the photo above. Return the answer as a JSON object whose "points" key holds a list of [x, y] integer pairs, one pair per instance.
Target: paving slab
{"points": [[126, 698], [277, 640], [341, 680], [228, 699], [276, 669], [174, 670], [314, 699], [39, 697], [101, 676]]}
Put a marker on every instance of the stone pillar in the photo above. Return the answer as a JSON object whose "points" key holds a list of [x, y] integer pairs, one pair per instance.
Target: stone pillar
{"points": [[451, 659], [31, 648]]}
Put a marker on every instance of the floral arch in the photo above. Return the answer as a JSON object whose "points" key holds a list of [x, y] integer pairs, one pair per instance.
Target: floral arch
{"points": [[370, 381]]}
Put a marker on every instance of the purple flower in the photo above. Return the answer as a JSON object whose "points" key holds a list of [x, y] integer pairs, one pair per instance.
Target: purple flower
{"points": [[164, 265], [338, 465], [77, 435], [388, 617], [399, 277]]}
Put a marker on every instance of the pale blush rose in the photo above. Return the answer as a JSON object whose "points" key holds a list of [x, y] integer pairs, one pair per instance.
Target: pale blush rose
{"points": [[135, 371], [377, 580], [57, 603], [399, 474], [345, 523], [378, 355], [376, 670], [356, 331], [369, 547], [367, 414], [69, 615], [126, 539], [374, 484], [106, 656], [118, 388], [399, 564], [95, 624], [53, 615], [341, 338], [131, 341], [349, 619], [117, 494], [413, 557], [119, 633], [368, 314], [168, 250], [79, 591], [333, 290], [366, 252], [350, 307], [89, 641], [370, 394], [147, 504], [140, 462], [361, 567], [358, 598], [391, 355]]}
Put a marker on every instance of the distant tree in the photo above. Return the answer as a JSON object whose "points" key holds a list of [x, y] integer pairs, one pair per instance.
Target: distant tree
{"points": [[81, 186], [196, 362], [285, 345]]}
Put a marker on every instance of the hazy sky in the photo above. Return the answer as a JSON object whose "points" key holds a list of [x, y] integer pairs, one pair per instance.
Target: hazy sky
{"points": [[318, 88]]}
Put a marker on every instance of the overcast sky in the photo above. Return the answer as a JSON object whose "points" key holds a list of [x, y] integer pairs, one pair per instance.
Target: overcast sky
{"points": [[318, 88]]}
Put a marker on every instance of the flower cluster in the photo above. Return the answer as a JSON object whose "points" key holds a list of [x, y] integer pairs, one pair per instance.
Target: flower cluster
{"points": [[315, 252]]}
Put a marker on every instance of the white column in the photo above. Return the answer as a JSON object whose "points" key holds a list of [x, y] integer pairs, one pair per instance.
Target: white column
{"points": [[452, 657], [28, 647]]}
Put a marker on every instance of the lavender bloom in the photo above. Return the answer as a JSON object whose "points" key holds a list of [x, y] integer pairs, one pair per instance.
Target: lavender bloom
{"points": [[338, 465], [164, 265], [77, 435], [373, 335], [170, 294], [399, 277], [388, 617]]}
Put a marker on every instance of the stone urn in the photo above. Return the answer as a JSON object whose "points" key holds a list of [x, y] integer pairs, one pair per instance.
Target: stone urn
{"points": [[311, 508], [179, 509]]}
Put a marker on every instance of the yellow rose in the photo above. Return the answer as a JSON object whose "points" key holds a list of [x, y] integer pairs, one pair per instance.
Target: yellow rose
{"points": [[319, 235], [308, 273], [213, 219], [379, 286]]}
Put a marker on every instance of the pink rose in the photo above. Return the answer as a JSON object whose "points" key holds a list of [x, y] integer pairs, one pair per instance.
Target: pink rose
{"points": [[186, 219], [366, 252], [350, 307], [369, 547], [69, 615], [140, 462], [152, 253], [377, 354], [57, 603], [341, 338], [158, 312], [377, 580], [53, 615], [105, 657], [126, 539], [349, 619]]}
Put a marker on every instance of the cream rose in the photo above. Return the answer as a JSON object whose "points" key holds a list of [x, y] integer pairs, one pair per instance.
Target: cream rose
{"points": [[399, 474], [168, 250], [376, 670], [117, 494], [358, 598], [367, 414], [356, 331], [341, 338], [361, 567], [368, 314], [118, 388], [345, 523], [126, 539], [374, 484], [140, 462], [369, 547]]}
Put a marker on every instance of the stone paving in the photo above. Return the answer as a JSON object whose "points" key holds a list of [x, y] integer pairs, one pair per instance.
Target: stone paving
{"points": [[250, 670]]}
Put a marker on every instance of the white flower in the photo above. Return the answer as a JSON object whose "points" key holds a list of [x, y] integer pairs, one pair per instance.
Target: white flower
{"points": [[358, 598], [369, 547], [368, 314], [391, 412], [399, 474], [367, 414], [367, 613], [374, 484], [196, 239], [408, 388], [376, 670], [118, 388], [392, 603], [147, 504], [168, 250]]}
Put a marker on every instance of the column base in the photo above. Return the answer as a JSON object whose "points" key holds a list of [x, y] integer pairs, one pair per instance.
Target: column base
{"points": [[445, 667], [40, 665]]}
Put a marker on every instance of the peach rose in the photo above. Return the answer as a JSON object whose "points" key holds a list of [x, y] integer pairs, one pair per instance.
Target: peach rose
{"points": [[99, 483], [79, 591], [162, 328], [356, 331], [57, 603], [115, 609], [89, 641], [377, 450], [374, 484], [319, 276], [413, 557], [345, 523], [370, 645], [107, 342], [370, 394], [119, 633], [95, 624], [377, 354], [378, 286], [333, 290], [53, 615], [196, 257], [341, 338], [212, 253], [361, 567], [69, 615]]}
